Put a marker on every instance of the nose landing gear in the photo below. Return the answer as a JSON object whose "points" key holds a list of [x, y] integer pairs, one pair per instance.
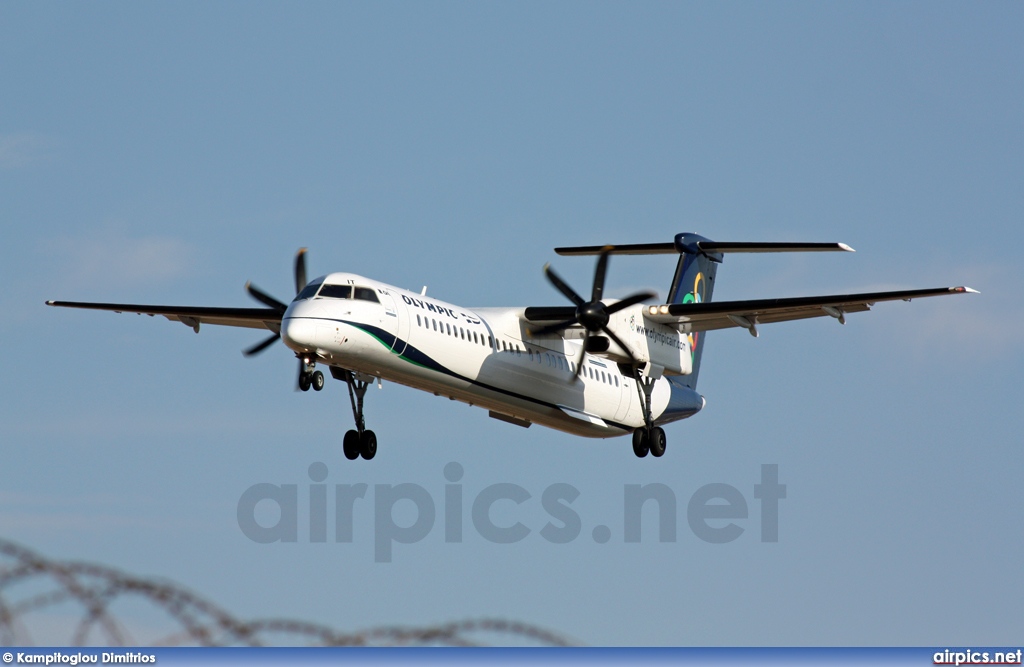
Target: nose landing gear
{"points": [[314, 380]]}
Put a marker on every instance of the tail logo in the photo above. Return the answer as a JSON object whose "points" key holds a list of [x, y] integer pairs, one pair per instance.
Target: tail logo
{"points": [[696, 296]]}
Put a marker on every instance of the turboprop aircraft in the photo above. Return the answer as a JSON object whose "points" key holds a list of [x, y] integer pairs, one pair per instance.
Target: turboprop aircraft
{"points": [[596, 368]]}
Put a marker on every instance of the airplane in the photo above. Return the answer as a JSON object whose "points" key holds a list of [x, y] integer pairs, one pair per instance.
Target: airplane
{"points": [[598, 368]]}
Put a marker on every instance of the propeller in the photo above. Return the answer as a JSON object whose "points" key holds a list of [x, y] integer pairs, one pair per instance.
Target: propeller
{"points": [[271, 302], [300, 270], [592, 315]]}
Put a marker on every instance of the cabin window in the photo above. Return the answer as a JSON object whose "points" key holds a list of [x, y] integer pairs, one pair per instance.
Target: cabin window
{"points": [[449, 327], [418, 323], [434, 322]]}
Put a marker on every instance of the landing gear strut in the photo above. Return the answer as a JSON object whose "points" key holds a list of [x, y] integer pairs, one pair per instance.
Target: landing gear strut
{"points": [[647, 438], [361, 441]]}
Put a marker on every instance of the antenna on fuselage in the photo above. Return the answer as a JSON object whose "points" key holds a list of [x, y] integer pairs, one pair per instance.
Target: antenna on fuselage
{"points": [[423, 292]]}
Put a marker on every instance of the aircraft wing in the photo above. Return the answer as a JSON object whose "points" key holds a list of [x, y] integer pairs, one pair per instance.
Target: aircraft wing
{"points": [[690, 317], [252, 318]]}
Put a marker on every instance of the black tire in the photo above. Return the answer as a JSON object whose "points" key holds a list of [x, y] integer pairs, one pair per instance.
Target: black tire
{"points": [[641, 444], [351, 445], [304, 382], [657, 441], [368, 445], [318, 380]]}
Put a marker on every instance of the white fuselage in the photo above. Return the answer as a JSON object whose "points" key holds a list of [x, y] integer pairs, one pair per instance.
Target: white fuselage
{"points": [[485, 357]]}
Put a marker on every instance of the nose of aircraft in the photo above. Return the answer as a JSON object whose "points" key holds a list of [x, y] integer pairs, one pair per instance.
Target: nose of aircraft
{"points": [[298, 333]]}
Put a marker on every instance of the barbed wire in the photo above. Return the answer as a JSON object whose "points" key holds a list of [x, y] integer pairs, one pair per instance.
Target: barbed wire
{"points": [[92, 591]]}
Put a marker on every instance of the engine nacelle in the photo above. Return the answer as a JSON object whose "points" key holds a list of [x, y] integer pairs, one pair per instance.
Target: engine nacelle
{"points": [[649, 341]]}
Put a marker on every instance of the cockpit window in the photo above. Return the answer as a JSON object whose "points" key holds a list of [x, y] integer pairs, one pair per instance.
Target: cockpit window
{"points": [[366, 294], [336, 292], [308, 291]]}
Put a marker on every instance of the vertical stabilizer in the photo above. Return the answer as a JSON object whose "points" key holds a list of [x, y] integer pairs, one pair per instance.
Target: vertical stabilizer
{"points": [[694, 282]]}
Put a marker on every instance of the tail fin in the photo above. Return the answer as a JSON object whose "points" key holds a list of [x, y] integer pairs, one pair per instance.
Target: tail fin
{"points": [[695, 274], [693, 282]]}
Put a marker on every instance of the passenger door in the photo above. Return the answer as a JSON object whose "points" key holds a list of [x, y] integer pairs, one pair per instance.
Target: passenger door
{"points": [[396, 319]]}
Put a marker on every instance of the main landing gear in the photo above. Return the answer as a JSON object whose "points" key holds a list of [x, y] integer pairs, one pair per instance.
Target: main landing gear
{"points": [[647, 438], [361, 441]]}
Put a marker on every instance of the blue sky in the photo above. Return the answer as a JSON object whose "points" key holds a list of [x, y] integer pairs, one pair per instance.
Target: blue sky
{"points": [[167, 153]]}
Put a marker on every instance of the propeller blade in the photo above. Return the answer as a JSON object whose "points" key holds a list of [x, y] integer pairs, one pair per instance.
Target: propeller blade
{"points": [[618, 341], [562, 286], [300, 270], [265, 298], [552, 328], [629, 301], [599, 274], [262, 345], [583, 354]]}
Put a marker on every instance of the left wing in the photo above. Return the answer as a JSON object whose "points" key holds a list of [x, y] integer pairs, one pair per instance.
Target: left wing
{"points": [[691, 317], [192, 316]]}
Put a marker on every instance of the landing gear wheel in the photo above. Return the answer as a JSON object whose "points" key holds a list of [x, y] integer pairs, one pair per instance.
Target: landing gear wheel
{"points": [[641, 443], [318, 380], [351, 445], [304, 382], [657, 441], [368, 445]]}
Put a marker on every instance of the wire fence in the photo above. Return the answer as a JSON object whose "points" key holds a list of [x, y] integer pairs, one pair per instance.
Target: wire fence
{"points": [[97, 605]]}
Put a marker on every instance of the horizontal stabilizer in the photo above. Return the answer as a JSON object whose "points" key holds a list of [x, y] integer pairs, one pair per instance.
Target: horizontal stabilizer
{"points": [[630, 249], [710, 247], [743, 246]]}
